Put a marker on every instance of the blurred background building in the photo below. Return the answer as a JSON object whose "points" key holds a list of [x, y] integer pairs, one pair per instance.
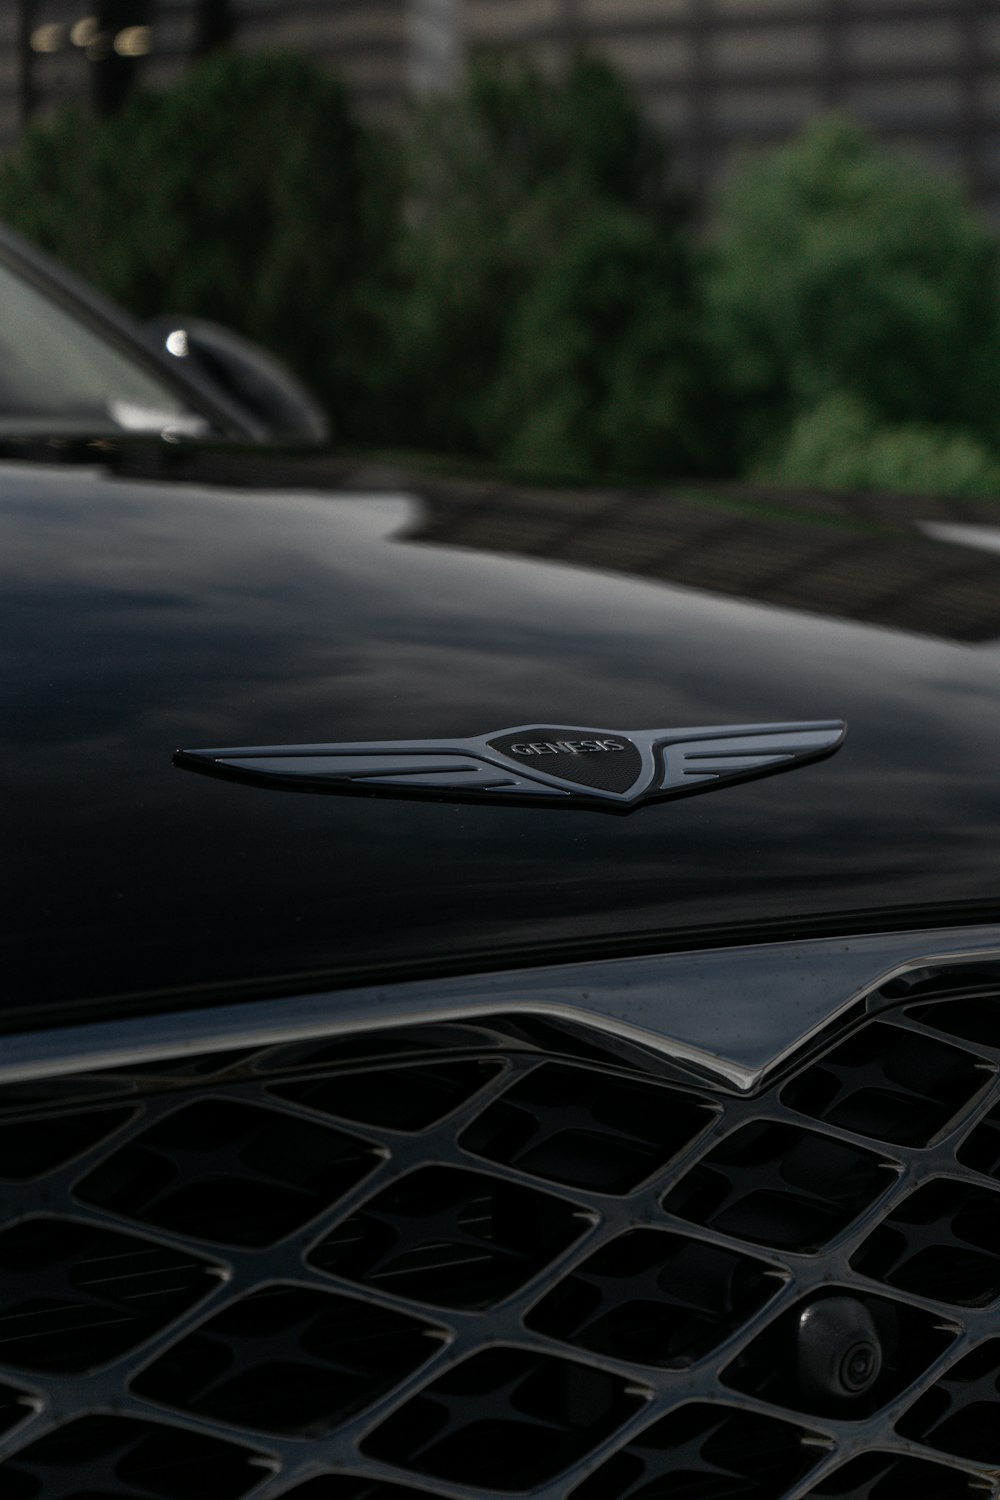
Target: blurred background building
{"points": [[715, 74]]}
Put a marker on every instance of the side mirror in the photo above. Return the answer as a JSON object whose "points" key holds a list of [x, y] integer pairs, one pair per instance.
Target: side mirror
{"points": [[261, 385]]}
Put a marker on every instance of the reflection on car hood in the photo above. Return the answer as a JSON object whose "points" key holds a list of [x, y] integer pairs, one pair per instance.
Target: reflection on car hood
{"points": [[152, 599]]}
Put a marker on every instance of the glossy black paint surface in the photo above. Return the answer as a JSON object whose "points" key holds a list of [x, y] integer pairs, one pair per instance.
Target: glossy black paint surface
{"points": [[151, 601]]}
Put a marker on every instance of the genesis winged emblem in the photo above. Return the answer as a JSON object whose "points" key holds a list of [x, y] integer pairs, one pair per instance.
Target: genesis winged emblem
{"points": [[569, 767]]}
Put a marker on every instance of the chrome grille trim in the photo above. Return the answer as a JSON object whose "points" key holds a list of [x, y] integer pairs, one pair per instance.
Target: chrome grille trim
{"points": [[729, 1015]]}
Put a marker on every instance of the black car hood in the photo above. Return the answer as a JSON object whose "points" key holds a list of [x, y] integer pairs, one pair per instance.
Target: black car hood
{"points": [[151, 602]]}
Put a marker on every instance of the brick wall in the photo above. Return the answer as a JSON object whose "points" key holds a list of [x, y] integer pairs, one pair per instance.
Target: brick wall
{"points": [[721, 74], [717, 75]]}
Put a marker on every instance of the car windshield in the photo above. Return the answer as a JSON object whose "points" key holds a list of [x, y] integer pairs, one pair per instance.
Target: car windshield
{"points": [[56, 375]]}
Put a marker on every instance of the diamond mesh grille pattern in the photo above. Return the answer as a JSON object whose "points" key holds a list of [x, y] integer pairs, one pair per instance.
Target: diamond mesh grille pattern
{"points": [[776, 1185], [912, 1339], [288, 1359], [102, 1455], [655, 1298], [451, 1261], [880, 1476], [505, 1419], [74, 1296], [941, 1242], [888, 1085], [444, 1235], [709, 1450], [957, 1414], [583, 1130], [228, 1172]]}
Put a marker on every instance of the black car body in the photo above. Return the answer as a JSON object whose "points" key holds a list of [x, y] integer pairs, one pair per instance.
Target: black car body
{"points": [[366, 1146]]}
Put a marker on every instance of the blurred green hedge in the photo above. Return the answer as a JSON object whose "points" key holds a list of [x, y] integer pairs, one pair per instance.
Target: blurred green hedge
{"points": [[839, 268], [841, 444], [246, 194], [517, 277], [547, 305]]}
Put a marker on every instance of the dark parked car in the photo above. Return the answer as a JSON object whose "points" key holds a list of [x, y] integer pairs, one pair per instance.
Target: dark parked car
{"points": [[473, 1023]]}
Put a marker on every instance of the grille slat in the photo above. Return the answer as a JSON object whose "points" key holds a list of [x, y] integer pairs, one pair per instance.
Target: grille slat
{"points": [[883, 1476], [454, 1238], [774, 1185], [120, 1458], [56, 1315], [703, 1450], [960, 1414]]}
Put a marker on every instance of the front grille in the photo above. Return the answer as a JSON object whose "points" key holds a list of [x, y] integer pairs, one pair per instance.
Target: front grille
{"points": [[465, 1260]]}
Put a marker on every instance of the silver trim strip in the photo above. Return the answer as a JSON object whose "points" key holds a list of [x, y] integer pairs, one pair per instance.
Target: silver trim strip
{"points": [[732, 1013]]}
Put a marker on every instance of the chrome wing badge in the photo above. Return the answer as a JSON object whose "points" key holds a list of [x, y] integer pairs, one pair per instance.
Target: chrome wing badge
{"points": [[570, 767]]}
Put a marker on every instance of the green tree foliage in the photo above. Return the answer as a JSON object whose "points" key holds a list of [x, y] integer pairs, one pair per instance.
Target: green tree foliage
{"points": [[244, 194], [602, 368], [516, 278], [546, 291], [839, 268], [842, 445]]}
